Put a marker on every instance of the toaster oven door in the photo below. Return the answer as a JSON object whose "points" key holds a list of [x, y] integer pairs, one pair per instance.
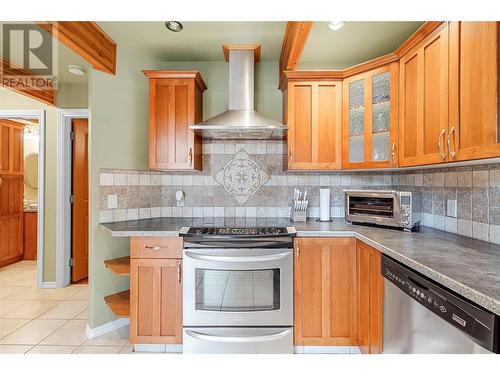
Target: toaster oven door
{"points": [[377, 208]]}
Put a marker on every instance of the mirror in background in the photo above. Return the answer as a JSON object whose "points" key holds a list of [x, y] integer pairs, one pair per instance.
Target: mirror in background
{"points": [[31, 170]]}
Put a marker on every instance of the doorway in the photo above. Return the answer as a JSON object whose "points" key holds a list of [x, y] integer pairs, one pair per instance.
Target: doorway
{"points": [[72, 243], [22, 189]]}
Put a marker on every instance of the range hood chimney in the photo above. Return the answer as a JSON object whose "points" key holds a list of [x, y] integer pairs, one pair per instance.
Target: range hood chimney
{"points": [[241, 121]]}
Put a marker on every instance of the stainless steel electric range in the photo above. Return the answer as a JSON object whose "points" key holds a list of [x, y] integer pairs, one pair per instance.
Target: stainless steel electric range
{"points": [[238, 290]]}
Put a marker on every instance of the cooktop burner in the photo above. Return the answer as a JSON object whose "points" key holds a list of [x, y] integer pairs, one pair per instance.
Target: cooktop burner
{"points": [[259, 231]]}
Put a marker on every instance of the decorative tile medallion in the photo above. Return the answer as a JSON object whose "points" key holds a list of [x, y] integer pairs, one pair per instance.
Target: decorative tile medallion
{"points": [[242, 177]]}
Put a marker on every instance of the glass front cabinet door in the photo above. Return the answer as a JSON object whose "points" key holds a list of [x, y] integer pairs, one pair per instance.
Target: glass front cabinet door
{"points": [[370, 118]]}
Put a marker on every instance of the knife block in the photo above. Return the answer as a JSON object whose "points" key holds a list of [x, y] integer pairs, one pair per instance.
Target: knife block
{"points": [[298, 215]]}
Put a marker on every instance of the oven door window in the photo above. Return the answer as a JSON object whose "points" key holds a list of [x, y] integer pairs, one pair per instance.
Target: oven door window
{"points": [[237, 290]]}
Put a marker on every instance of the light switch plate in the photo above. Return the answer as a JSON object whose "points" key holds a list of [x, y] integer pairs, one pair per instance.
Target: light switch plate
{"points": [[451, 207], [112, 201]]}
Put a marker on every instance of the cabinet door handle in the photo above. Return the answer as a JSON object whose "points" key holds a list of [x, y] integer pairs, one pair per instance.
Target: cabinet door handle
{"points": [[298, 250], [154, 247], [179, 272], [290, 155], [190, 156], [452, 153], [443, 155], [1, 181], [393, 152]]}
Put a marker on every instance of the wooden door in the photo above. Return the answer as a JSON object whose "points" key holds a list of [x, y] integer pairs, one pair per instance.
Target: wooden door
{"points": [[370, 120], [174, 105], [156, 301], [474, 85], [423, 104], [314, 117], [325, 291], [370, 299], [80, 208]]}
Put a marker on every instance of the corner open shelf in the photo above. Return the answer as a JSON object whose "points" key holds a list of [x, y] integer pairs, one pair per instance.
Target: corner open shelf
{"points": [[119, 266], [119, 303]]}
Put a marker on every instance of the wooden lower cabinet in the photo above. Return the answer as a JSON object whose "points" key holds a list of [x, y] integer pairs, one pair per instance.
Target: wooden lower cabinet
{"points": [[325, 291], [155, 301], [30, 235], [370, 299], [11, 219]]}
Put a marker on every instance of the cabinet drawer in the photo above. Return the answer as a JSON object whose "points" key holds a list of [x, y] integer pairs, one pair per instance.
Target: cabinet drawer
{"points": [[156, 247]]}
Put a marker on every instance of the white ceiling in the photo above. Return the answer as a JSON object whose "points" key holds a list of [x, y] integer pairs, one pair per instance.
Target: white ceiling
{"points": [[355, 42]]}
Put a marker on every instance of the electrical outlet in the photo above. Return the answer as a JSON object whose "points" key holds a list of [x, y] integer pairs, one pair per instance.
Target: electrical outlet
{"points": [[451, 207], [112, 201]]}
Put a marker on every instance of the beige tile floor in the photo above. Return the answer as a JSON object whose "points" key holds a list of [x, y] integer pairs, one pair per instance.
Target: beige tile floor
{"points": [[48, 321]]}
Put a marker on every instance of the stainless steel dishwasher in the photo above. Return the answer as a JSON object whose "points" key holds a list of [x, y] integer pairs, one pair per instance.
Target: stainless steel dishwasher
{"points": [[422, 316]]}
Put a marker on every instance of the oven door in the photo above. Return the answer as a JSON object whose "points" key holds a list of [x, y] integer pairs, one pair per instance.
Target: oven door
{"points": [[372, 207], [238, 287]]}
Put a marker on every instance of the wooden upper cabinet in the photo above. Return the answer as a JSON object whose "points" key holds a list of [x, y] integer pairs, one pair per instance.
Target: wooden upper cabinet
{"points": [[423, 101], [11, 147], [474, 84], [175, 103], [313, 112], [325, 291], [370, 118], [370, 299]]}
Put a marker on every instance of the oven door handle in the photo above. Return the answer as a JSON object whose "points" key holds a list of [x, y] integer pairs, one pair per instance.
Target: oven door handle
{"points": [[236, 339], [237, 259]]}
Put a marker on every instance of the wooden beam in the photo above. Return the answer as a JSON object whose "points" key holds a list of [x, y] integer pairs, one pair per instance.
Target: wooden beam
{"points": [[242, 47], [86, 39], [21, 80], [294, 41]]}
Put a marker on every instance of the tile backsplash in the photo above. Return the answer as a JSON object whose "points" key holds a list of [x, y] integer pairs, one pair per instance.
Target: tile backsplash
{"points": [[246, 179]]}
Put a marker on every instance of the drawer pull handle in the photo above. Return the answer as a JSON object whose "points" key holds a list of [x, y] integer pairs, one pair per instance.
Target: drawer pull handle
{"points": [[154, 247], [298, 250]]}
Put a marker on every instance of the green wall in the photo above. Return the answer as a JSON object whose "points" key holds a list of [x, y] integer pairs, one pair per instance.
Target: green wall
{"points": [[74, 98], [118, 138], [268, 98]]}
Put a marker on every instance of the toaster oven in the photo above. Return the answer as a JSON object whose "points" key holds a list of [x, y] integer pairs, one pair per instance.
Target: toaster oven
{"points": [[401, 209]]}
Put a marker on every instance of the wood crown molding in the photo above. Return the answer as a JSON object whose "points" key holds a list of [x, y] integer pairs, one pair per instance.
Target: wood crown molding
{"points": [[294, 41], [242, 47], [177, 74], [8, 69], [88, 40], [417, 37]]}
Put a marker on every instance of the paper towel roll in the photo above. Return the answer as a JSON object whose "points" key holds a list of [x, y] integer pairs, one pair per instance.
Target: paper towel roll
{"points": [[324, 204]]}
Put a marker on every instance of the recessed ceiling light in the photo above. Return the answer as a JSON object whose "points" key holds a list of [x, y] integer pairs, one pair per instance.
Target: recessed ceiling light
{"points": [[335, 25], [76, 70], [174, 26]]}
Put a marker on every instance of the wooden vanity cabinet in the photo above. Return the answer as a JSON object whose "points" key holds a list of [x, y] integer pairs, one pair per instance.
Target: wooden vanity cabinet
{"points": [[325, 291], [156, 290], [370, 299], [175, 103], [370, 118], [312, 109]]}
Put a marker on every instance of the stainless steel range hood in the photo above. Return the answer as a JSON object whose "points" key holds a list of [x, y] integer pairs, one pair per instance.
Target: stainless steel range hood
{"points": [[241, 121]]}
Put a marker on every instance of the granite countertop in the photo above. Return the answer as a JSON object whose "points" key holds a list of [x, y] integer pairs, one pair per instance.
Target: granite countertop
{"points": [[469, 267]]}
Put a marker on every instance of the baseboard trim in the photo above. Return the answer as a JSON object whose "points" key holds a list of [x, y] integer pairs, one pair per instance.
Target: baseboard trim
{"points": [[158, 348], [49, 285], [92, 333], [326, 350]]}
